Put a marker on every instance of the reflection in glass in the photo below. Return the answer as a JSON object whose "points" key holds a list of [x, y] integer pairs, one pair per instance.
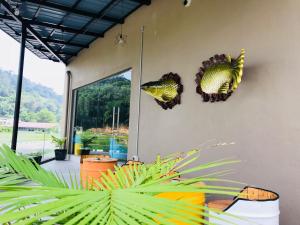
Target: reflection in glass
{"points": [[102, 116]]}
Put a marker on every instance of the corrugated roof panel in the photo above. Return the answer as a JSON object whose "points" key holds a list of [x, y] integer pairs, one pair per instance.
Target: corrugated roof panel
{"points": [[34, 43], [1, 10], [67, 26], [62, 36], [29, 10], [122, 9], [94, 6], [56, 45], [68, 3], [43, 31], [35, 51], [9, 31], [71, 49], [80, 38], [75, 21], [13, 25], [99, 26], [50, 16]]}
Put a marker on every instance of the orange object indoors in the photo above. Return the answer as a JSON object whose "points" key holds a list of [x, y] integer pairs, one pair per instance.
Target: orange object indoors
{"points": [[91, 169], [196, 198]]}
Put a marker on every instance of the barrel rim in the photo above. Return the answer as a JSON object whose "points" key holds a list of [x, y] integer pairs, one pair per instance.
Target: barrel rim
{"points": [[95, 160], [237, 198]]}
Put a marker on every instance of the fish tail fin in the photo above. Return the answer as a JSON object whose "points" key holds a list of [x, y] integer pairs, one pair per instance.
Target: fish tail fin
{"points": [[238, 66]]}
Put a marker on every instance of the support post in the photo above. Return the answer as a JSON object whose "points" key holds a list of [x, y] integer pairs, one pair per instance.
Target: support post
{"points": [[136, 157], [113, 121], [68, 112], [19, 90], [118, 120]]}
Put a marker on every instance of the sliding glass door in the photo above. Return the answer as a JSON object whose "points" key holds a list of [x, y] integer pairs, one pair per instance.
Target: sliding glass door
{"points": [[101, 120]]}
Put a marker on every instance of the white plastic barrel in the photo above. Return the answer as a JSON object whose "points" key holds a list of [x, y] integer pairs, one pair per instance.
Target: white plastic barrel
{"points": [[260, 210]]}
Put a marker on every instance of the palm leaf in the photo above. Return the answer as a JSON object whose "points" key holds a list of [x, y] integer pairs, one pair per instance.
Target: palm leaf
{"points": [[22, 166], [126, 196]]}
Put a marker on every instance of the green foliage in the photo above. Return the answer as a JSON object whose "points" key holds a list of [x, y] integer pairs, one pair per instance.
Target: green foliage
{"points": [[33, 154], [28, 116], [37, 100], [45, 116], [5, 129], [59, 142], [87, 138], [22, 167], [125, 197], [95, 102]]}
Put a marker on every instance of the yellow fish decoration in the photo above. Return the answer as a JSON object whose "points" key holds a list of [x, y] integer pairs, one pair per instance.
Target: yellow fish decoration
{"points": [[219, 77], [166, 91]]}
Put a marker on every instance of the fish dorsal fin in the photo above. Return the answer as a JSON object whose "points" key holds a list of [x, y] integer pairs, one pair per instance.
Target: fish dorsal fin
{"points": [[171, 76], [238, 66], [215, 61]]}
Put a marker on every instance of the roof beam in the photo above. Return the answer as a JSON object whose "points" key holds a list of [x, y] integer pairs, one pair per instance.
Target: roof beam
{"points": [[100, 15], [64, 17], [74, 10], [60, 52], [53, 26], [37, 12], [9, 18], [66, 43], [19, 35], [63, 28], [29, 29], [60, 42], [144, 2]]}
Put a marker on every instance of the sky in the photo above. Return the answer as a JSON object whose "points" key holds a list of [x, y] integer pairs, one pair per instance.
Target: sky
{"points": [[45, 72]]}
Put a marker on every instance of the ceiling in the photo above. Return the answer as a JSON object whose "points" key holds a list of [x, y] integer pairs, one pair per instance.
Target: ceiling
{"points": [[59, 29]]}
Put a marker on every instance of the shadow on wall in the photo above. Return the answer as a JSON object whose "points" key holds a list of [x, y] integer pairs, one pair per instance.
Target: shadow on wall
{"points": [[252, 72], [252, 76]]}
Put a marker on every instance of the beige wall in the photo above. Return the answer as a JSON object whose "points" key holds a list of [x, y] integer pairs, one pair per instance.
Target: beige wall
{"points": [[262, 117]]}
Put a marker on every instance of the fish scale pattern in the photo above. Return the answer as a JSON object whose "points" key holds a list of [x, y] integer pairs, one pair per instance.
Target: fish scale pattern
{"points": [[166, 91], [219, 77]]}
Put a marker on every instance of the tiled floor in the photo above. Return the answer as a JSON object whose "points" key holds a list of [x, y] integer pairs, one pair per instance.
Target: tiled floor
{"points": [[65, 168]]}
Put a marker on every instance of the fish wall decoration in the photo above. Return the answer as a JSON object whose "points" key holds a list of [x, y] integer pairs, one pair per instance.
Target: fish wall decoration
{"points": [[219, 77], [166, 91]]}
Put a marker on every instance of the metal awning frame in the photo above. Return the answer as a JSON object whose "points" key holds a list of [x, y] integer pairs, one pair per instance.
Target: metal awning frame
{"points": [[30, 30], [29, 34], [78, 37]]}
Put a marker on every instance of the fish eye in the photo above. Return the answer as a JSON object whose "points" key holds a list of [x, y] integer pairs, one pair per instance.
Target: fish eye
{"points": [[186, 3]]}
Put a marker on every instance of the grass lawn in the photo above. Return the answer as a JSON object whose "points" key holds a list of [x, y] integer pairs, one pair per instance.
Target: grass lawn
{"points": [[103, 141], [24, 136]]}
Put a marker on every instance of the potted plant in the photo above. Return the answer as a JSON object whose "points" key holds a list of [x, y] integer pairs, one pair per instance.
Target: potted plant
{"points": [[60, 152], [36, 156], [86, 139]]}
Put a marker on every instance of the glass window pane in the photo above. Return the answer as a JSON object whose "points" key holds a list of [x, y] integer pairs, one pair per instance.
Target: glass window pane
{"points": [[41, 106], [102, 117], [9, 59], [41, 101], [7, 103]]}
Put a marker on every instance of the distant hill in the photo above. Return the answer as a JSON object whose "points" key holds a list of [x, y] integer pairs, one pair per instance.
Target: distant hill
{"points": [[39, 103]]}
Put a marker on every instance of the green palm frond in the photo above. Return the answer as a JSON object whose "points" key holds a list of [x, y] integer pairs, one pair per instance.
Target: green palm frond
{"points": [[7, 178], [127, 196], [24, 168]]}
